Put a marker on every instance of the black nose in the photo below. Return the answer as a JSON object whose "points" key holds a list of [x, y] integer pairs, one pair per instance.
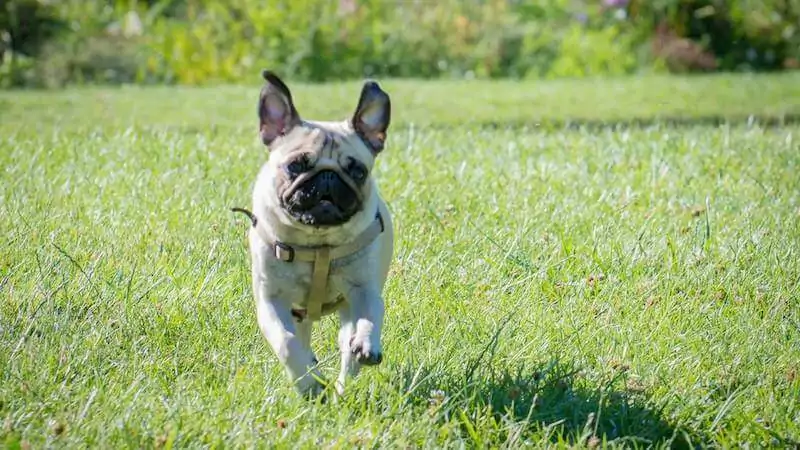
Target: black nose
{"points": [[327, 181]]}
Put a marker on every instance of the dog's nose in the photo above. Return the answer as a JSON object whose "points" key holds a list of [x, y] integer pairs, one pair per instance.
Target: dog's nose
{"points": [[327, 181]]}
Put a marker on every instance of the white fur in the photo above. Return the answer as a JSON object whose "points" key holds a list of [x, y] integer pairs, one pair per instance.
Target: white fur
{"points": [[280, 286]]}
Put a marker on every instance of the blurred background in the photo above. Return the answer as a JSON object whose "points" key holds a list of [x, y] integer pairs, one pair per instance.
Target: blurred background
{"points": [[56, 43]]}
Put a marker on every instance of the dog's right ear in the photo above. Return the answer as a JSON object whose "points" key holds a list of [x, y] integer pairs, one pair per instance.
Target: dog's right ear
{"points": [[276, 111]]}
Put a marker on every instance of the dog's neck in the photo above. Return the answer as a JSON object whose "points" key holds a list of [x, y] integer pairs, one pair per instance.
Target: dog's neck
{"points": [[282, 228]]}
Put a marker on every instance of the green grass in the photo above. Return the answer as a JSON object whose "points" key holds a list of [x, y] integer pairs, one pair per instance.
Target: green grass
{"points": [[550, 284], [425, 104]]}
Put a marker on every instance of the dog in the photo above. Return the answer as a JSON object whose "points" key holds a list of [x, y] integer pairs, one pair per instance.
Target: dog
{"points": [[321, 239]]}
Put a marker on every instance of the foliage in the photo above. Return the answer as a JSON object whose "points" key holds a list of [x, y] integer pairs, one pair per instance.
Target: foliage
{"points": [[25, 26], [213, 41], [742, 35]]}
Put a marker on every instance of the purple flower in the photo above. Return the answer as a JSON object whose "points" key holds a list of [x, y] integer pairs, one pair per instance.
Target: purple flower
{"points": [[615, 3]]}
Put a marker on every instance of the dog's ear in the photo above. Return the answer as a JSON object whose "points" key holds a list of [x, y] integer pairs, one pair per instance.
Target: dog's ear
{"points": [[276, 111], [372, 116]]}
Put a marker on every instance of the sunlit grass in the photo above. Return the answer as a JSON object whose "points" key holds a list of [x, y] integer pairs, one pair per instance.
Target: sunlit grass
{"points": [[625, 285]]}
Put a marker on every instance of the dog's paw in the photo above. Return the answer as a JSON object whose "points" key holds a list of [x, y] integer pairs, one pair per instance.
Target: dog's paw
{"points": [[311, 390], [364, 352], [310, 385]]}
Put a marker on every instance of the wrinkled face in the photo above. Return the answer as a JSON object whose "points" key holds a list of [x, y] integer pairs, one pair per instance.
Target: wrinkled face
{"points": [[322, 170], [323, 179]]}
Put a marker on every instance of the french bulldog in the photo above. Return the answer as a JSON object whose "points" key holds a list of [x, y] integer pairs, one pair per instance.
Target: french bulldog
{"points": [[321, 239]]}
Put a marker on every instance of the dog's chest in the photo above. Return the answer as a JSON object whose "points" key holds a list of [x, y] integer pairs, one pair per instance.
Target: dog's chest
{"points": [[293, 282]]}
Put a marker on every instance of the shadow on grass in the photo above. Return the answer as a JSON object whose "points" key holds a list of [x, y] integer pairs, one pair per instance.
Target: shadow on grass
{"points": [[502, 404], [549, 404]]}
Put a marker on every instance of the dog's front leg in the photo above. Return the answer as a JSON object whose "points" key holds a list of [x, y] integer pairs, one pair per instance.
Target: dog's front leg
{"points": [[360, 333], [289, 343], [366, 312], [346, 332]]}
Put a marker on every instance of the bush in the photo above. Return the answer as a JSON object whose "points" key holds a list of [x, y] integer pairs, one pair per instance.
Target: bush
{"points": [[93, 59], [349, 38], [740, 34], [25, 26], [195, 42]]}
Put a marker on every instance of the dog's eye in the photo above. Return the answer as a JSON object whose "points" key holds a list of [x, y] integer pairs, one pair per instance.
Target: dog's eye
{"points": [[296, 167], [358, 173]]}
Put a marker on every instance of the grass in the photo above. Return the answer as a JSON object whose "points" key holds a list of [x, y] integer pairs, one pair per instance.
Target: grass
{"points": [[625, 285], [771, 98]]}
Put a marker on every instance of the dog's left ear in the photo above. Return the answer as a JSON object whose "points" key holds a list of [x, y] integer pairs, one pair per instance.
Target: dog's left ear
{"points": [[276, 112], [372, 116]]}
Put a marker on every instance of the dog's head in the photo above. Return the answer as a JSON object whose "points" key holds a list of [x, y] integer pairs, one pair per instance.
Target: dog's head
{"points": [[322, 170]]}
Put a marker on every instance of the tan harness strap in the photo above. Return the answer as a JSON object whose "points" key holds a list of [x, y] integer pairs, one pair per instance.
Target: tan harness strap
{"points": [[319, 283], [321, 257]]}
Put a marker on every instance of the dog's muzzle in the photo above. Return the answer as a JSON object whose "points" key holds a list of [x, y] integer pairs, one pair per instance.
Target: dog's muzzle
{"points": [[323, 196]]}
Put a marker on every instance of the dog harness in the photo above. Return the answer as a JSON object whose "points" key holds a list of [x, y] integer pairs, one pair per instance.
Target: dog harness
{"points": [[322, 258]]}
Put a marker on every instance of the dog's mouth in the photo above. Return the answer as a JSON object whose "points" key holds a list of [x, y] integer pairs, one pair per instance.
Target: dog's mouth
{"points": [[322, 201]]}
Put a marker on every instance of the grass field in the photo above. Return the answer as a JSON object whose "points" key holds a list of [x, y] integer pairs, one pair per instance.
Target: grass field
{"points": [[553, 283]]}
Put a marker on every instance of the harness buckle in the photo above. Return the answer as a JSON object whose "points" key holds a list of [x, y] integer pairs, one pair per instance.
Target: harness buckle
{"points": [[284, 252]]}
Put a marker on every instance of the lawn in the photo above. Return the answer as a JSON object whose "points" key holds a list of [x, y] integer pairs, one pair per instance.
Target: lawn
{"points": [[556, 280]]}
